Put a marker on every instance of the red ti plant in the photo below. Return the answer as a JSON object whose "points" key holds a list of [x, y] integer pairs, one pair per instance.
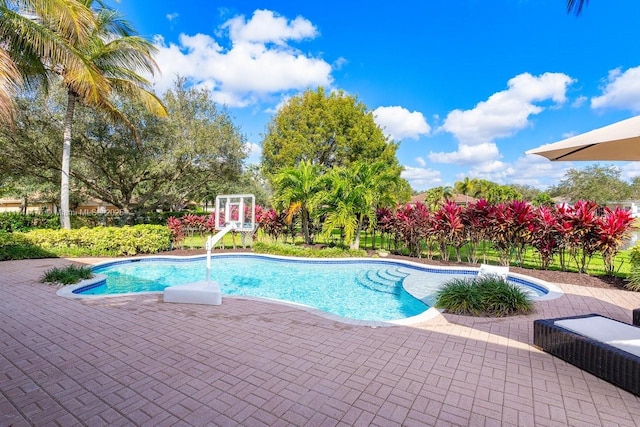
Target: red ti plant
{"points": [[412, 222], [384, 223], [272, 223], [210, 223], [585, 236], [474, 219], [565, 233], [448, 227], [175, 228], [498, 225], [194, 223], [521, 216], [613, 227], [545, 234]]}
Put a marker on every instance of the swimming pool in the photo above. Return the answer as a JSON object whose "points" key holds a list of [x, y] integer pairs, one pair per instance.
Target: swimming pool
{"points": [[359, 289]]}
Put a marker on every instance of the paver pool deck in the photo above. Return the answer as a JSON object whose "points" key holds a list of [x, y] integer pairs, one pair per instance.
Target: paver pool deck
{"points": [[138, 361]]}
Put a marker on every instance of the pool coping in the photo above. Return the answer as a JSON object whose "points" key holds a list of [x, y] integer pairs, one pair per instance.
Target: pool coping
{"points": [[431, 313]]}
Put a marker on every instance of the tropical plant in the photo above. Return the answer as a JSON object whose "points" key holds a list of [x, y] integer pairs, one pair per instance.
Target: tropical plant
{"points": [[474, 218], [584, 235], [36, 35], [67, 275], [176, 230], [486, 296], [576, 6], [272, 223], [412, 223], [448, 228], [634, 275], [352, 195], [545, 234], [614, 227], [299, 187], [117, 54]]}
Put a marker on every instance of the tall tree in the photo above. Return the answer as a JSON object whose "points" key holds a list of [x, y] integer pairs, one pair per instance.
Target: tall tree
{"points": [[35, 34], [119, 55], [597, 183], [197, 147], [325, 129]]}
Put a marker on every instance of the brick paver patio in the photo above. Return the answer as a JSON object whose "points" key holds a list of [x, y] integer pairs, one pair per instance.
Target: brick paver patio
{"points": [[138, 361]]}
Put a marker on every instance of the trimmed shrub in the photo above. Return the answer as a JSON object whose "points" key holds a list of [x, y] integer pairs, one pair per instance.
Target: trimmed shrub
{"points": [[103, 241], [68, 275], [302, 251], [486, 296], [17, 246], [14, 221]]}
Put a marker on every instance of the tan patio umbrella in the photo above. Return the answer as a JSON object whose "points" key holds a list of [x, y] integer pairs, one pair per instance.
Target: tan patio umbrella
{"points": [[617, 142]]}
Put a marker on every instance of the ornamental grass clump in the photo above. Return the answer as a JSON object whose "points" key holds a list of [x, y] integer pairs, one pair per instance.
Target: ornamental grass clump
{"points": [[68, 275], [489, 296]]}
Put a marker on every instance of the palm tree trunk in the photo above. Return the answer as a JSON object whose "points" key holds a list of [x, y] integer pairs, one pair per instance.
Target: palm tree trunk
{"points": [[305, 226], [356, 241], [65, 220]]}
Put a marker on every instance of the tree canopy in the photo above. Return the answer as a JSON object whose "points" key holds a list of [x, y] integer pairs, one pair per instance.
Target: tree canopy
{"points": [[176, 160], [597, 183], [326, 129]]}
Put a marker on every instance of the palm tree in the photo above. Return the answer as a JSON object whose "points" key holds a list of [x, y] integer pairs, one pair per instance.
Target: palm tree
{"points": [[464, 187], [576, 5], [354, 194], [118, 54], [33, 35], [299, 186]]}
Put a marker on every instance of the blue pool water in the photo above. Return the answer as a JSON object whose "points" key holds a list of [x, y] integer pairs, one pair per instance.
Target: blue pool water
{"points": [[355, 289]]}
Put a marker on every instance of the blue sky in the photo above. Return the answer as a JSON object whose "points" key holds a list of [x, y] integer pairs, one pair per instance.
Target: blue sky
{"points": [[465, 86]]}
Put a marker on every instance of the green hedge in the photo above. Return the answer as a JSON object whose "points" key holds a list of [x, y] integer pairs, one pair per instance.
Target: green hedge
{"points": [[98, 241], [17, 246], [13, 221], [307, 252]]}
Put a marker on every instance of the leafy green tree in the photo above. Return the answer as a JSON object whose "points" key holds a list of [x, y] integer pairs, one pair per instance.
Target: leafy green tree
{"points": [[353, 194], [173, 161], [299, 188], [118, 55], [527, 192], [542, 199], [327, 130], [598, 183]]}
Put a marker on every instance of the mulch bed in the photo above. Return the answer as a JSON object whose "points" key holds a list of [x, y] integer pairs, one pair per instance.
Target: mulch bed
{"points": [[548, 275]]}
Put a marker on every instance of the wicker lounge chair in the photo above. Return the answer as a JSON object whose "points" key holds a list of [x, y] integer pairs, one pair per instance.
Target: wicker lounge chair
{"points": [[602, 346]]}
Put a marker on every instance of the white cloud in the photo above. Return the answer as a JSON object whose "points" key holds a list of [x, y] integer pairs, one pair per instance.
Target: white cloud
{"points": [[267, 27], [421, 161], [468, 154], [503, 114], [630, 170], [507, 111], [252, 63], [422, 178], [399, 123], [254, 152], [526, 170], [621, 91], [172, 16]]}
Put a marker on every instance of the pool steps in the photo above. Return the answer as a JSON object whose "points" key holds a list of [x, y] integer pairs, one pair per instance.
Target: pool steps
{"points": [[384, 280]]}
